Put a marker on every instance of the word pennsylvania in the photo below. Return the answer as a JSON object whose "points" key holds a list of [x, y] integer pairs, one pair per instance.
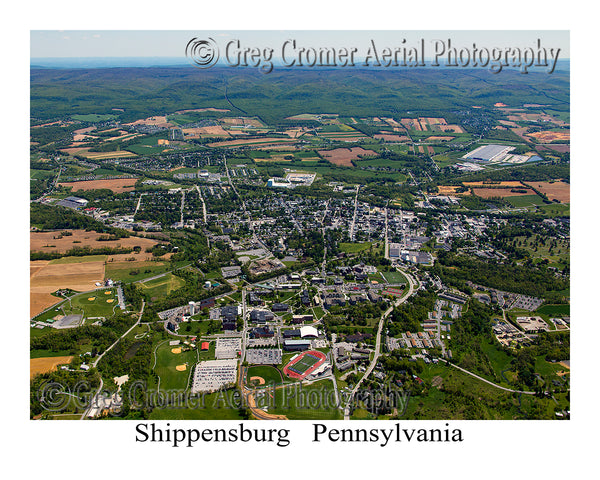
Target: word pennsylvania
{"points": [[176, 437]]}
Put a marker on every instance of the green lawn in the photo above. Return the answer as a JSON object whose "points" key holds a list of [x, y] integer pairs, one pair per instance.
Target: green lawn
{"points": [[521, 201], [554, 310], [394, 277], [354, 247], [306, 402], [160, 287], [128, 272]]}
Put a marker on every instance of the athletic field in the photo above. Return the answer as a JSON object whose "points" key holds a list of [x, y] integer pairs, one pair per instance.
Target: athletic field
{"points": [[305, 363]]}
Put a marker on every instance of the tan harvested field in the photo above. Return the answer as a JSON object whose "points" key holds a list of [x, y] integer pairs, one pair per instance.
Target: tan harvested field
{"points": [[421, 149], [249, 141], [295, 132], [509, 124], [46, 364], [344, 156], [549, 136], [216, 130], [277, 147], [232, 121], [159, 121], [430, 150], [507, 184], [439, 139], [390, 121], [46, 278], [38, 302], [454, 128], [123, 135], [553, 190], [501, 192], [58, 122], [451, 190], [105, 155], [79, 137], [387, 137], [74, 150], [40, 241], [344, 138], [117, 185]]}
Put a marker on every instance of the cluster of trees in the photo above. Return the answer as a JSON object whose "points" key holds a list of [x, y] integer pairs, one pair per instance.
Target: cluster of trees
{"points": [[408, 316], [79, 252], [80, 383], [128, 357], [47, 217], [311, 243], [100, 337], [455, 270]]}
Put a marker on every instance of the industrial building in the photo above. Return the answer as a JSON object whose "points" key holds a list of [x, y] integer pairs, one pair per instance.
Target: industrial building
{"points": [[489, 153]]}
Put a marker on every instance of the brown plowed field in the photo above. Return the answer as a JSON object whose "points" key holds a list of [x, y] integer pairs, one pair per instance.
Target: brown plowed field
{"points": [[344, 156], [117, 185], [554, 191]]}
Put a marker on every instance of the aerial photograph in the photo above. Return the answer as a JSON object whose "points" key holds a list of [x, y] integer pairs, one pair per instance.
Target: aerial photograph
{"points": [[299, 225]]}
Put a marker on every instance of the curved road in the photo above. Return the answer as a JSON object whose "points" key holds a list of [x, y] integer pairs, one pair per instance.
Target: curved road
{"points": [[411, 287]]}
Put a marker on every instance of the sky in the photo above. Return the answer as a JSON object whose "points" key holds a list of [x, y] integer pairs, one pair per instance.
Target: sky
{"points": [[171, 43]]}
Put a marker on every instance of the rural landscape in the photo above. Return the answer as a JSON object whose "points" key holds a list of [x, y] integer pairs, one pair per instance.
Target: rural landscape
{"points": [[306, 244]]}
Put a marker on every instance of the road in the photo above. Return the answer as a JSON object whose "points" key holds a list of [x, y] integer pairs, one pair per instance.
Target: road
{"points": [[182, 205], [386, 252], [203, 204], [138, 204], [408, 293], [354, 216], [96, 398]]}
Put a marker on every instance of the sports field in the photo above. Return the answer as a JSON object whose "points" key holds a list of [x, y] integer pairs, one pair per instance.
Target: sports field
{"points": [[305, 363], [169, 365]]}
